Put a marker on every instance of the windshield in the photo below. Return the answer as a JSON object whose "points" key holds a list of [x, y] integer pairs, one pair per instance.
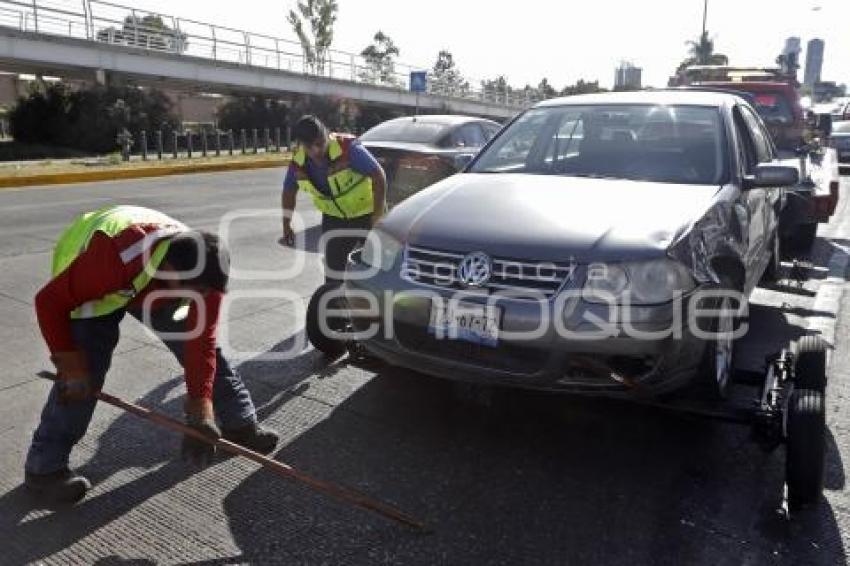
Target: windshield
{"points": [[668, 144], [406, 131], [773, 108]]}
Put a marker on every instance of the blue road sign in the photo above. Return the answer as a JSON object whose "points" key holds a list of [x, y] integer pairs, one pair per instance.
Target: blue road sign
{"points": [[418, 81]]}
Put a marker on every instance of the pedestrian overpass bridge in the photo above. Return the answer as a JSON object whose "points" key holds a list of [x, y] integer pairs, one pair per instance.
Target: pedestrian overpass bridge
{"points": [[92, 39]]}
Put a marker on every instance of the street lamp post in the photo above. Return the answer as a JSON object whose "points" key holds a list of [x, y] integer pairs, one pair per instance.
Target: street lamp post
{"points": [[704, 16]]}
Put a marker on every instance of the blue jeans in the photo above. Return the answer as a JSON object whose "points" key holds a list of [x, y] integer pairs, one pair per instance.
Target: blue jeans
{"points": [[62, 426]]}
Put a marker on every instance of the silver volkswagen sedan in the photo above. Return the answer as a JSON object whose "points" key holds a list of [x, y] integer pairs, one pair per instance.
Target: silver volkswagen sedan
{"points": [[601, 244]]}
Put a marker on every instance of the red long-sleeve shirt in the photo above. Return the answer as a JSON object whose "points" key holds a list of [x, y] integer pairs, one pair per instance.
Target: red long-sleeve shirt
{"points": [[100, 271]]}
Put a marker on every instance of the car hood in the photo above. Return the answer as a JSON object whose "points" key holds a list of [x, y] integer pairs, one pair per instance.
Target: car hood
{"points": [[550, 218]]}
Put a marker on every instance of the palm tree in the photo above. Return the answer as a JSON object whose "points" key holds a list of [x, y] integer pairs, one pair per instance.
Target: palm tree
{"points": [[701, 52]]}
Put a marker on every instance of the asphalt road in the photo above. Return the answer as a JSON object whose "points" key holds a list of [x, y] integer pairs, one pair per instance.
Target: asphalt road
{"points": [[525, 479]]}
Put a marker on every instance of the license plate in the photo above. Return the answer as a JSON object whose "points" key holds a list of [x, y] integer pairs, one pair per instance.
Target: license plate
{"points": [[478, 324]]}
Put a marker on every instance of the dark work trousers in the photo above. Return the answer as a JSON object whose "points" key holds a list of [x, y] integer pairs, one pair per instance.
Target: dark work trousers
{"points": [[62, 426], [342, 236]]}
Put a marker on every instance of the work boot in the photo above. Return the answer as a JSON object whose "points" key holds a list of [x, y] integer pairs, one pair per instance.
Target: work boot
{"points": [[253, 437], [63, 486]]}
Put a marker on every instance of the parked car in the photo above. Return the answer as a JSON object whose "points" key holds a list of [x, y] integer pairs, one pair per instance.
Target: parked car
{"points": [[623, 205], [840, 141], [419, 151]]}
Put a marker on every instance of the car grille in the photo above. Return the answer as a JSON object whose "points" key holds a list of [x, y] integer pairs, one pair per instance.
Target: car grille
{"points": [[520, 279]]}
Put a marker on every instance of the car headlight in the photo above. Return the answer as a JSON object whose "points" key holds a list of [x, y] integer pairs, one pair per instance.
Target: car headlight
{"points": [[605, 282], [380, 250], [640, 283]]}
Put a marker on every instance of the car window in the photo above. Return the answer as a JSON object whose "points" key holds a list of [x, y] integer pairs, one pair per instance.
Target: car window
{"points": [[406, 131], [675, 144], [760, 140], [747, 147], [490, 130], [773, 107], [567, 140], [468, 135]]}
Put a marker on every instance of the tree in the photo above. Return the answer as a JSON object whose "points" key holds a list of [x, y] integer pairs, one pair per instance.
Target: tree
{"points": [[446, 78], [582, 87], [149, 32], [497, 87], [545, 90], [89, 120], [380, 66], [252, 112], [789, 64], [321, 17], [701, 52]]}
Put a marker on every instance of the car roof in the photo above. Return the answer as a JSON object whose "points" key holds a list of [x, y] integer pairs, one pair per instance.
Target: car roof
{"points": [[664, 97], [441, 119]]}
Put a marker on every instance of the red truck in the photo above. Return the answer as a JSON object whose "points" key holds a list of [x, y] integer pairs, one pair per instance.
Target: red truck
{"points": [[778, 104]]}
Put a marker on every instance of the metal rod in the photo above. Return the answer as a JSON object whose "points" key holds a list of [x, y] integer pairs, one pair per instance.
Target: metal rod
{"points": [[338, 492]]}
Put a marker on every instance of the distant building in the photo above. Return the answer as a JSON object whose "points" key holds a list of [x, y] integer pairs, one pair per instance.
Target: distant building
{"points": [[628, 77], [814, 62], [790, 60]]}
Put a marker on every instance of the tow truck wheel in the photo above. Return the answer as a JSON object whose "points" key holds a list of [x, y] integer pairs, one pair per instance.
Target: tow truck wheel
{"points": [[331, 346], [803, 238], [810, 363], [806, 447]]}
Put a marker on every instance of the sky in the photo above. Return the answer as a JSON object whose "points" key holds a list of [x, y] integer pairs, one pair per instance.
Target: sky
{"points": [[562, 40]]}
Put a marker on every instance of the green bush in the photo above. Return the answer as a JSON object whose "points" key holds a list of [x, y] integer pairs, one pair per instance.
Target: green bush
{"points": [[89, 120], [250, 112]]}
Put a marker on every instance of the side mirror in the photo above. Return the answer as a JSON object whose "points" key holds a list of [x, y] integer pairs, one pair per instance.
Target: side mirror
{"points": [[462, 160], [767, 175]]}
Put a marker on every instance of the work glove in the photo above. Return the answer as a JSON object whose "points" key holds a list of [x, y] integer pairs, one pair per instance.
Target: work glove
{"points": [[74, 381], [200, 416]]}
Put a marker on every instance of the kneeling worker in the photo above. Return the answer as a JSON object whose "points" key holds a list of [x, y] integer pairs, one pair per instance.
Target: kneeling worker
{"points": [[108, 263]]}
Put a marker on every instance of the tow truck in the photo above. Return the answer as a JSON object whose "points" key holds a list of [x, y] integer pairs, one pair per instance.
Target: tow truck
{"points": [[775, 96]]}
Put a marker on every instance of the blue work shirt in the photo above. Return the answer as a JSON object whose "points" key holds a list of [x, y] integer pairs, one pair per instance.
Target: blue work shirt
{"points": [[359, 158]]}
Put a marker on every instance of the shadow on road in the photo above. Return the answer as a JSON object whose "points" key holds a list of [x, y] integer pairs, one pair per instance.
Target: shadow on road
{"points": [[128, 443], [532, 478]]}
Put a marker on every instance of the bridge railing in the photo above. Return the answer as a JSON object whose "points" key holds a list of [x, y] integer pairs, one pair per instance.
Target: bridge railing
{"points": [[102, 21]]}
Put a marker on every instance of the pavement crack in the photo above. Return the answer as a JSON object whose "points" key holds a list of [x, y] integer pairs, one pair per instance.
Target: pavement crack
{"points": [[15, 299]]}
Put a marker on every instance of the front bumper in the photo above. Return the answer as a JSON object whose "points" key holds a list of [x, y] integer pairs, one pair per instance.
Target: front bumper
{"points": [[654, 353]]}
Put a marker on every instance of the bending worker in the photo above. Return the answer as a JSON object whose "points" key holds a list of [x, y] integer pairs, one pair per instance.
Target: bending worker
{"points": [[347, 184], [127, 259]]}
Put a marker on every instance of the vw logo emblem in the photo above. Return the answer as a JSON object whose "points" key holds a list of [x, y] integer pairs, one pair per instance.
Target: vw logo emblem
{"points": [[475, 270]]}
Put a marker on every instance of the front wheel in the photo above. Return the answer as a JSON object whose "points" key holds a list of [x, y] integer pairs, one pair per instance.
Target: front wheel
{"points": [[773, 272], [330, 345], [718, 361]]}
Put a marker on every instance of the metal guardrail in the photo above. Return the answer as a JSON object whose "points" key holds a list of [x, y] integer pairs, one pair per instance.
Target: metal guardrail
{"points": [[105, 22]]}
